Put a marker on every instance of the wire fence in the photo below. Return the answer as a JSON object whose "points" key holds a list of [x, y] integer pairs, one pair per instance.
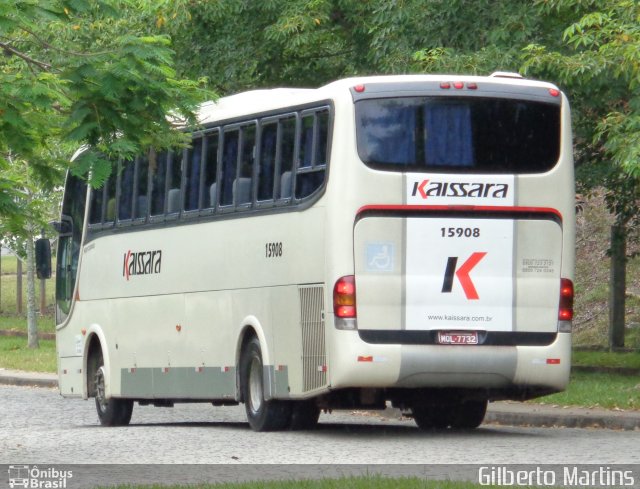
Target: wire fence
{"points": [[13, 289]]}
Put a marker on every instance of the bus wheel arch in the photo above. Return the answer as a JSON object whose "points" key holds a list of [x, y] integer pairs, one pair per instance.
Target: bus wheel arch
{"points": [[251, 329], [262, 414], [111, 411], [92, 358]]}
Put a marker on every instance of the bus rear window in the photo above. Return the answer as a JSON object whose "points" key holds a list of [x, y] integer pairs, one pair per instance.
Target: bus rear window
{"points": [[458, 135]]}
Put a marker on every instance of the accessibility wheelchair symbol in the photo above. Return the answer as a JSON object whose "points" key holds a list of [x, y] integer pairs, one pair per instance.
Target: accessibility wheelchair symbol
{"points": [[380, 257]]}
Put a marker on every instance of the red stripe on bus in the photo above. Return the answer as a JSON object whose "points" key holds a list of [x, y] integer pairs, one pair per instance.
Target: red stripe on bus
{"points": [[460, 208]]}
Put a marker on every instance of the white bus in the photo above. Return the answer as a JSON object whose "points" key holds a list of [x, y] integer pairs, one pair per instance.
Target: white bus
{"points": [[392, 240]]}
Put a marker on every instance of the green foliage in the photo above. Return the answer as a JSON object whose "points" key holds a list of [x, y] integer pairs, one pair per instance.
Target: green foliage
{"points": [[601, 67], [86, 74], [241, 45]]}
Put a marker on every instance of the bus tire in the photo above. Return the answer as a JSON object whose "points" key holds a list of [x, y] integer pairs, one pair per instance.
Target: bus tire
{"points": [[468, 415], [263, 415], [431, 417], [304, 415], [112, 411]]}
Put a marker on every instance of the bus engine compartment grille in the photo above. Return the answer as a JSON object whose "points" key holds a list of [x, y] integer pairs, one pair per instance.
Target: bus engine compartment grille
{"points": [[314, 359]]}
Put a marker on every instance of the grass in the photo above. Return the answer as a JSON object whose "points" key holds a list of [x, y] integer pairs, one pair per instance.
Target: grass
{"points": [[608, 391], [367, 482], [15, 355], [46, 324], [606, 359]]}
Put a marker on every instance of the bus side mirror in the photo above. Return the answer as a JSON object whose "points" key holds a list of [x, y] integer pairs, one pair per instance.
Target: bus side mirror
{"points": [[43, 258], [63, 227]]}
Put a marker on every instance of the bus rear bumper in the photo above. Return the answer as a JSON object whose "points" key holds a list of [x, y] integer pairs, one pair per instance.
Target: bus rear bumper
{"points": [[360, 364]]}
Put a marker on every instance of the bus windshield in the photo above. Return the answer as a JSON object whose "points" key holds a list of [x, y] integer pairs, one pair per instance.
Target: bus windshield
{"points": [[458, 134]]}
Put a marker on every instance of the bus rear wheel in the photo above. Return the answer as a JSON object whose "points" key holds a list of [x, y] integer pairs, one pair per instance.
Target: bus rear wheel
{"points": [[466, 415], [111, 412], [263, 415], [469, 415], [431, 417]]}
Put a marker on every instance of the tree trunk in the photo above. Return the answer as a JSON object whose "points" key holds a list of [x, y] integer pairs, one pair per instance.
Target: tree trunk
{"points": [[617, 287], [32, 325]]}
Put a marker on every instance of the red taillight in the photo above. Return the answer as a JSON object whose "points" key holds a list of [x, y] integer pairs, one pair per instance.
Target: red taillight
{"points": [[554, 92], [472, 86], [344, 297], [565, 311], [359, 88], [445, 85], [458, 85]]}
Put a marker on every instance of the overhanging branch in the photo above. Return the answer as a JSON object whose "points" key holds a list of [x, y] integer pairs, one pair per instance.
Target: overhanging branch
{"points": [[14, 52]]}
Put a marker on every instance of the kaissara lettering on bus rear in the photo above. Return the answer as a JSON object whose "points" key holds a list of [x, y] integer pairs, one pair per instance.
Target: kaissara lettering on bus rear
{"points": [[426, 189]]}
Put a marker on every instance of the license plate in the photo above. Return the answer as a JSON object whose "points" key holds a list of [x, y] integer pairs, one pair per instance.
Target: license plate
{"points": [[458, 337]]}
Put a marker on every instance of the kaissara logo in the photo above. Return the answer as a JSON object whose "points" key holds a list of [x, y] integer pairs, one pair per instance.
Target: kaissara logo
{"points": [[428, 188], [462, 274], [141, 263]]}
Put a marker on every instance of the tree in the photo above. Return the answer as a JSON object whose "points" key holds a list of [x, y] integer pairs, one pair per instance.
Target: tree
{"points": [[80, 74], [37, 205], [88, 73], [602, 69]]}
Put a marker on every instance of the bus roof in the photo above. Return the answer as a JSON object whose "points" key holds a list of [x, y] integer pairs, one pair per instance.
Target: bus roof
{"points": [[264, 100]]}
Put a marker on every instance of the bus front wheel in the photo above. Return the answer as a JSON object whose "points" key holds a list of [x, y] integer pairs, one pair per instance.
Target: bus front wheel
{"points": [[111, 412], [263, 415]]}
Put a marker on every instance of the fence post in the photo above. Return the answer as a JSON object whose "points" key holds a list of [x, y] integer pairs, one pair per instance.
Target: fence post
{"points": [[18, 285], [617, 287]]}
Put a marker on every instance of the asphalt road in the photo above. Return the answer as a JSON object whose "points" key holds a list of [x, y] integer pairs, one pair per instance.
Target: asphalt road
{"points": [[38, 426]]}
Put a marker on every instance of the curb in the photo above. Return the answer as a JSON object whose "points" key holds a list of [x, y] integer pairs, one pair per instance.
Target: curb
{"points": [[543, 416], [28, 379], [561, 420]]}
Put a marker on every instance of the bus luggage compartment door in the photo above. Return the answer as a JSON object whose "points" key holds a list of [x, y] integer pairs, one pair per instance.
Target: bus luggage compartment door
{"points": [[458, 272]]}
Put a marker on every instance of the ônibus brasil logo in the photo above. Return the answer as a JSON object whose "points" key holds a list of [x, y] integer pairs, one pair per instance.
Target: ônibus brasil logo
{"points": [[427, 188], [462, 274], [141, 263]]}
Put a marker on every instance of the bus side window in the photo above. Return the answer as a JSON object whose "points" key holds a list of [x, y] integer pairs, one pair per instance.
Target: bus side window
{"points": [[268, 154], [312, 159], [158, 179], [174, 184], [210, 187], [230, 140], [110, 196], [323, 138], [97, 202], [142, 182], [192, 176], [243, 185], [287, 155], [125, 198]]}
